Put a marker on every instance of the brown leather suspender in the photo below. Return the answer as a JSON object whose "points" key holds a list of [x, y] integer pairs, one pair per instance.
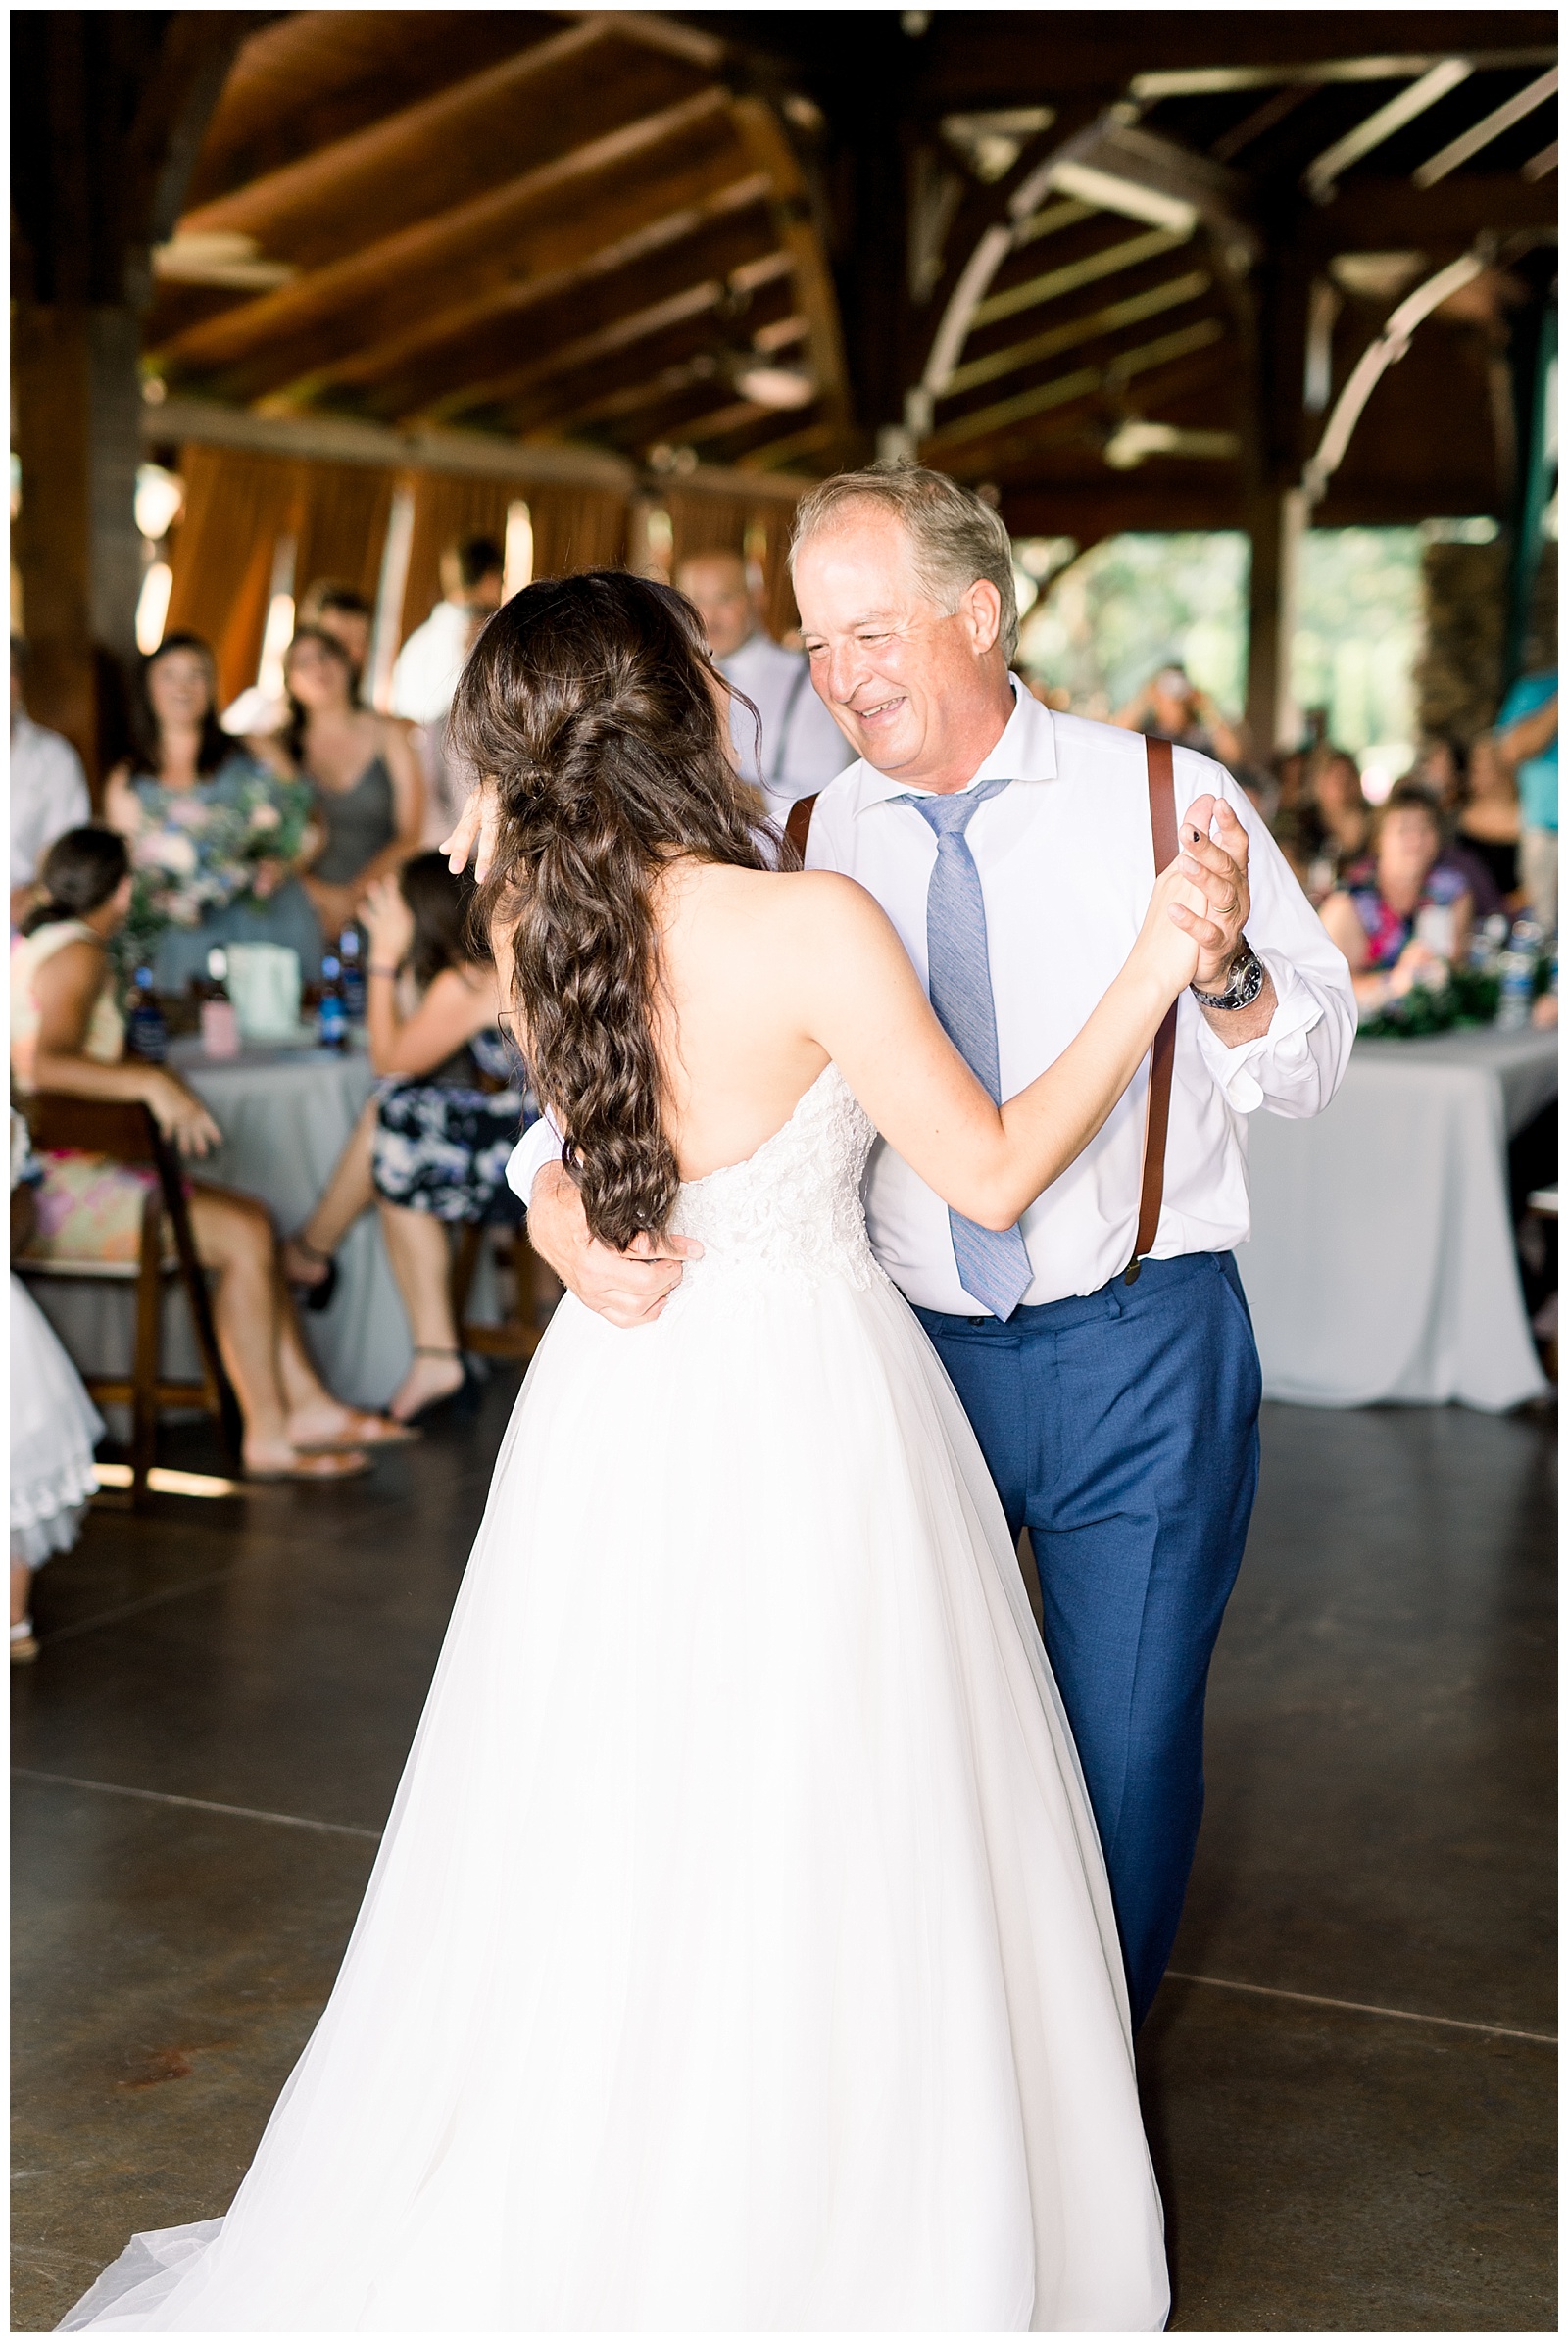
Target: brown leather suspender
{"points": [[798, 828], [1162, 1056], [1162, 828]]}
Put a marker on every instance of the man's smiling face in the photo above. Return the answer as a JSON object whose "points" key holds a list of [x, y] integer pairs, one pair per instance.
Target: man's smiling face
{"points": [[919, 693]]}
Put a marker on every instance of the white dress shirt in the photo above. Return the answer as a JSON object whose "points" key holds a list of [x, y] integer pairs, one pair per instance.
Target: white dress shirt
{"points": [[48, 795], [803, 746], [424, 674], [1067, 866]]}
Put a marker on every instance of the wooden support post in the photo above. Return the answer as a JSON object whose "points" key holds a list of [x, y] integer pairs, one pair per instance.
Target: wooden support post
{"points": [[1276, 522], [51, 546], [77, 550]]}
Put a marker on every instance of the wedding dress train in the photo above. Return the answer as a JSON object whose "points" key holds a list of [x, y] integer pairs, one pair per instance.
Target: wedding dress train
{"points": [[739, 1953]]}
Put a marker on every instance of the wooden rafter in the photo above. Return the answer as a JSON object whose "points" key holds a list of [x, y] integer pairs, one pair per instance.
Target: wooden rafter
{"points": [[549, 265], [271, 339], [444, 151]]}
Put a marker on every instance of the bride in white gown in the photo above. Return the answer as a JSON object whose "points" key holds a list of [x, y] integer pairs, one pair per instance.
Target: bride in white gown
{"points": [[739, 1954]]}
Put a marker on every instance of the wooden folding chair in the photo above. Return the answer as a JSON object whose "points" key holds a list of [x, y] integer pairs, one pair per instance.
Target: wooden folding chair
{"points": [[522, 1329], [127, 1134]]}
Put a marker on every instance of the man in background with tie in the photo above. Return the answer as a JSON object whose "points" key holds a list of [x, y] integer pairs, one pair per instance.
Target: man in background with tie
{"points": [[1112, 1384], [802, 747]]}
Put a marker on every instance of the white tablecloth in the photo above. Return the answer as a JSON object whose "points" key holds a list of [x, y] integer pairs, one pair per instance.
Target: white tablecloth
{"points": [[285, 1116], [1381, 1265]]}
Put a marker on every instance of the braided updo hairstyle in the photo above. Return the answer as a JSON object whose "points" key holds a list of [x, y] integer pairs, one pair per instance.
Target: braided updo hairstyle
{"points": [[590, 700]]}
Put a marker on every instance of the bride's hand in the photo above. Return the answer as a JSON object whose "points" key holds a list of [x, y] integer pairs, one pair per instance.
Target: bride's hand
{"points": [[1176, 927], [481, 821]]}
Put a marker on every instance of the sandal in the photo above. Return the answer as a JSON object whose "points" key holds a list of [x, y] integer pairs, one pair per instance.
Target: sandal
{"points": [[319, 1296], [351, 1464], [23, 1643], [376, 1429]]}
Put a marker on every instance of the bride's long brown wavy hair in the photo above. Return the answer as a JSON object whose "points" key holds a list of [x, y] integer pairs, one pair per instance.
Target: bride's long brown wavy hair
{"points": [[591, 702]]}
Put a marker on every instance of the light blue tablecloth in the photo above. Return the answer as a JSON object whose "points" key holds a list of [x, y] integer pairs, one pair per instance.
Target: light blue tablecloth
{"points": [[1381, 1265]]}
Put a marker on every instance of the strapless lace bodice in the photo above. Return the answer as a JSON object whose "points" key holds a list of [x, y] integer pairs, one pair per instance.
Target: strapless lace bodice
{"points": [[793, 1208]]}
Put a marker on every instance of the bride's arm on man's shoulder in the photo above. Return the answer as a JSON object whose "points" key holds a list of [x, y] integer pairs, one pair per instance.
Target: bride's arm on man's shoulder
{"points": [[861, 1000]]}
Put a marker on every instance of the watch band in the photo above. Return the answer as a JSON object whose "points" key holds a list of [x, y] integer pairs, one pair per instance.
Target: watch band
{"points": [[1243, 983]]}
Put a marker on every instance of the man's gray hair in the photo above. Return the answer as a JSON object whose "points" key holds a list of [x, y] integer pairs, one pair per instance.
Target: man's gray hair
{"points": [[955, 536]]}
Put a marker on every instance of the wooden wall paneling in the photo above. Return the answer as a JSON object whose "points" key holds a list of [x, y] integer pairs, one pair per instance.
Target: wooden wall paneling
{"points": [[236, 509], [577, 529], [342, 528]]}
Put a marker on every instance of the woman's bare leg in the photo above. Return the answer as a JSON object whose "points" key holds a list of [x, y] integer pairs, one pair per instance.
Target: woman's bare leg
{"points": [[420, 1251], [347, 1193], [234, 1235]]}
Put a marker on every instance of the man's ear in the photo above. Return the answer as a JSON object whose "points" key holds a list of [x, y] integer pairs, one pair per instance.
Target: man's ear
{"points": [[981, 611]]}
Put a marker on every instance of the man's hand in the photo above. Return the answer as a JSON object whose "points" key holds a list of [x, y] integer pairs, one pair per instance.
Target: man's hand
{"points": [[628, 1288], [1218, 864]]}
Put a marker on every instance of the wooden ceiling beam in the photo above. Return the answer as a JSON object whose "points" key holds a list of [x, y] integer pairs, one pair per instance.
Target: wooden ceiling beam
{"points": [[1384, 215], [1107, 372], [272, 339], [762, 134], [1170, 292], [696, 324], [615, 315], [557, 261], [316, 76], [448, 149], [1020, 437]]}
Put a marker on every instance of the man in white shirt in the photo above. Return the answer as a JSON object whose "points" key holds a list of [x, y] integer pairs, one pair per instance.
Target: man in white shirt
{"points": [[801, 746], [426, 673], [48, 790], [1115, 1399]]}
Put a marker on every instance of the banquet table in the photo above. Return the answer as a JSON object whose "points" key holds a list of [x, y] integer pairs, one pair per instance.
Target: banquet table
{"points": [[285, 1114], [1381, 1265]]}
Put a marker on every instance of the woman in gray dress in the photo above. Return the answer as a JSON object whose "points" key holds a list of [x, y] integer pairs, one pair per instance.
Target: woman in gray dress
{"points": [[369, 797]]}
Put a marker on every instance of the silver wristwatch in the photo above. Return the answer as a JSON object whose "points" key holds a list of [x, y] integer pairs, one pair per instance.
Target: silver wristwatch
{"points": [[1242, 984]]}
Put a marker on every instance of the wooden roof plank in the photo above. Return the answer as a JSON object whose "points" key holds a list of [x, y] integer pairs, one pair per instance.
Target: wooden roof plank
{"points": [[558, 260], [448, 148], [275, 333]]}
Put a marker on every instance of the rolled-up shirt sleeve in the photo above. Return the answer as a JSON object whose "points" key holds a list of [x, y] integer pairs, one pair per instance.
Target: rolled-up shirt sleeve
{"points": [[539, 1144], [1293, 1068]]}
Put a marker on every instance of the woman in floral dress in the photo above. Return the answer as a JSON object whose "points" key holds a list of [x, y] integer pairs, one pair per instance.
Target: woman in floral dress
{"points": [[217, 841]]}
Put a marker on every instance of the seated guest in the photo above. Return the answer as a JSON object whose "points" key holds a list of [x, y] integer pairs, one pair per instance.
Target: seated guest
{"points": [[54, 1425], [67, 1036], [1339, 813], [1374, 913], [48, 790], [1489, 819], [216, 842], [369, 794], [431, 1146]]}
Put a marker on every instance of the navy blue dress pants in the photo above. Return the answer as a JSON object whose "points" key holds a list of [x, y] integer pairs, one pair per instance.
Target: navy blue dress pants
{"points": [[1121, 1429]]}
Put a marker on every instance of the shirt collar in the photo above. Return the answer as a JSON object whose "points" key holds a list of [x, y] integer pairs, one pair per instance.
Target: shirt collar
{"points": [[1027, 752]]}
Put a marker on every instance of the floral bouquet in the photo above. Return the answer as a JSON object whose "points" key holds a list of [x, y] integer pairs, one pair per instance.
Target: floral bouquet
{"points": [[205, 848]]}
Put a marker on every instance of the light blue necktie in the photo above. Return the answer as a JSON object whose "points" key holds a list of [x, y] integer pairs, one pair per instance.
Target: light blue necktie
{"points": [[993, 1266]]}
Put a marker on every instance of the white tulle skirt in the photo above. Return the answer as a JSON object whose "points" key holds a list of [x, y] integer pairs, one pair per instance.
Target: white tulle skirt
{"points": [[739, 1954], [54, 1429]]}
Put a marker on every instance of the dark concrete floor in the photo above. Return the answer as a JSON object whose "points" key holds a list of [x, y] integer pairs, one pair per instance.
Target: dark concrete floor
{"points": [[211, 1740]]}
